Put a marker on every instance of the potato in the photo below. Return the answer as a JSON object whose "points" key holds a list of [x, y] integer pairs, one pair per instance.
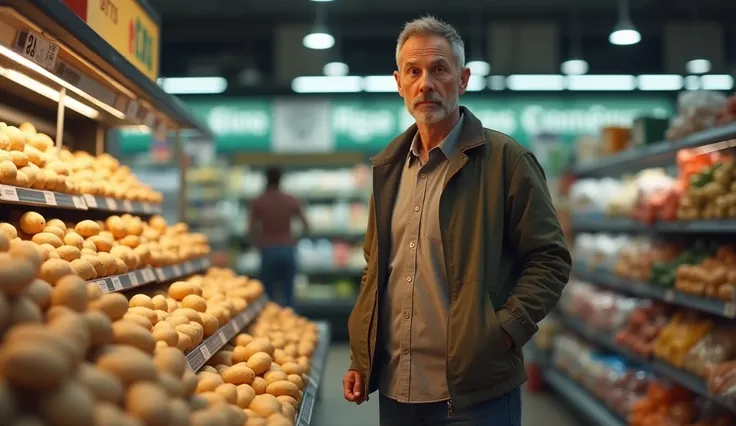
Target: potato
{"points": [[190, 314], [259, 345], [283, 387], [72, 326], [70, 291], [114, 305], [47, 238], [34, 365], [100, 328], [130, 333], [208, 382], [128, 364], [89, 245], [148, 402], [159, 303], [94, 291], [171, 384], [189, 382], [259, 362], [239, 374], [169, 336], [53, 270], [286, 399], [54, 230], [101, 243], [265, 405], [243, 339], [259, 385], [23, 310], [71, 404], [292, 368], [297, 380], [15, 274], [39, 292], [32, 223], [150, 314], [245, 395], [228, 391], [84, 269], [194, 302], [73, 239], [104, 386], [141, 300], [209, 324], [288, 410], [56, 223], [172, 361], [184, 343], [222, 357], [275, 376], [180, 289], [87, 228], [279, 419]]}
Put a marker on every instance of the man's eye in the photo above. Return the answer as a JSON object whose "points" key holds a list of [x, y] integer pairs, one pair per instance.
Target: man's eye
{"points": [[439, 68]]}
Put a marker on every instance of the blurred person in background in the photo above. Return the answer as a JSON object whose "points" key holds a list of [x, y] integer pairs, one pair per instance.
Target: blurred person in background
{"points": [[465, 255], [271, 215]]}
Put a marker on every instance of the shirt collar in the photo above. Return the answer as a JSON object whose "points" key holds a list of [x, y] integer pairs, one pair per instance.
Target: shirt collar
{"points": [[447, 146]]}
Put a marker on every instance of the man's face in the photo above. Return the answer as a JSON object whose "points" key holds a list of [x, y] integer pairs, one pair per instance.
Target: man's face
{"points": [[429, 79]]}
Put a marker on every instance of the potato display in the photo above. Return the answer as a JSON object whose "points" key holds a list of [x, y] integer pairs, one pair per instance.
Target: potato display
{"points": [[96, 249], [71, 355], [30, 159], [263, 372]]}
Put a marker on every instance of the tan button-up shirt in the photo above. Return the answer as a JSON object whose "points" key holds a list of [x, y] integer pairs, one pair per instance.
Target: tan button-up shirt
{"points": [[414, 309]]}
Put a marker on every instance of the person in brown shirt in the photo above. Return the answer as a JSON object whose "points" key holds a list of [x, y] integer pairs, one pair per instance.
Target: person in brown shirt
{"points": [[271, 215]]}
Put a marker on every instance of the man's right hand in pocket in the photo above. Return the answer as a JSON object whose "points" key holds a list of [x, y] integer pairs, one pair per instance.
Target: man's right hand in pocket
{"points": [[352, 387]]}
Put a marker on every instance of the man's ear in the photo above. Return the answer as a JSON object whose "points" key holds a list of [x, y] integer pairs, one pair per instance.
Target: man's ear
{"points": [[464, 79], [397, 77]]}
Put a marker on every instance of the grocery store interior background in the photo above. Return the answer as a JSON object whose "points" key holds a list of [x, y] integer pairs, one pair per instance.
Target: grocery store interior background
{"points": [[629, 105]]}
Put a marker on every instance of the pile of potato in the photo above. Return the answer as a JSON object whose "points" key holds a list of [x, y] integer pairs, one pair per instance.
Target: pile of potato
{"points": [[73, 356], [96, 249], [30, 159], [187, 312], [264, 372]]}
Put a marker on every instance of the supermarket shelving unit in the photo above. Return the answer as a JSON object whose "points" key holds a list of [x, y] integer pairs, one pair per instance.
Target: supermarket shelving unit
{"points": [[655, 155]]}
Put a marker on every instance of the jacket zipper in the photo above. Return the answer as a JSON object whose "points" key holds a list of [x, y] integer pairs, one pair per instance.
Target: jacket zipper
{"points": [[449, 409]]}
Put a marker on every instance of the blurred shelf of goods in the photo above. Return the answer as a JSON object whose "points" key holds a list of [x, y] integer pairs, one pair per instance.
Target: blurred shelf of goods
{"points": [[645, 331]]}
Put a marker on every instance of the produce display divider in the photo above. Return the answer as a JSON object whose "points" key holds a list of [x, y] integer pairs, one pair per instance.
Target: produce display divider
{"points": [[656, 154], [149, 275], [602, 223], [197, 358], [34, 197], [316, 372], [672, 373], [594, 411], [605, 279]]}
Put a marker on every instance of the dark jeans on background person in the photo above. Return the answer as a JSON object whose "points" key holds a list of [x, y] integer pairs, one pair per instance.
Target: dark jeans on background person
{"points": [[278, 269], [504, 410]]}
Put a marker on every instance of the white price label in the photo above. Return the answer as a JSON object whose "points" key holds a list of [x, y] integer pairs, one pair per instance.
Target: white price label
{"points": [[160, 274], [127, 205], [148, 275], [78, 202], [39, 50], [188, 268], [90, 200], [50, 198], [729, 310], [133, 279], [103, 286], [111, 203], [116, 284], [205, 352], [669, 295], [8, 193], [132, 110], [235, 327], [223, 339], [177, 270], [146, 208]]}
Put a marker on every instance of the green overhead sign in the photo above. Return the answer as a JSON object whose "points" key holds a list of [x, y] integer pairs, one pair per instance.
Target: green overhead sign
{"points": [[364, 125]]}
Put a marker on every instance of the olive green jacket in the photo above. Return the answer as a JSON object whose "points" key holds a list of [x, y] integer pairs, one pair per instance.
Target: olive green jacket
{"points": [[505, 255]]}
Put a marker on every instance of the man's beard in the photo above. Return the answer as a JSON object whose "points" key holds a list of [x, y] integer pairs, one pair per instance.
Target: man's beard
{"points": [[438, 112]]}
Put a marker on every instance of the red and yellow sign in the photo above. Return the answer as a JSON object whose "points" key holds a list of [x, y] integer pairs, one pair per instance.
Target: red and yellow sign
{"points": [[126, 26]]}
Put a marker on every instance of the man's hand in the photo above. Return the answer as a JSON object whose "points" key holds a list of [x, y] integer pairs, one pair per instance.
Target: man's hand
{"points": [[352, 387]]}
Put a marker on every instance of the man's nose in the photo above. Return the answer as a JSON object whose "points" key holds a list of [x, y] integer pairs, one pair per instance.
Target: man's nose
{"points": [[426, 83]]}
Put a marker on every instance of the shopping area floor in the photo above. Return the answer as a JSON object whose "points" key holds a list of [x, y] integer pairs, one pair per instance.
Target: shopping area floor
{"points": [[540, 409]]}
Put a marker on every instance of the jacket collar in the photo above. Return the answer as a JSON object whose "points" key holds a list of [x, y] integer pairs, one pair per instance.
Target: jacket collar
{"points": [[471, 136]]}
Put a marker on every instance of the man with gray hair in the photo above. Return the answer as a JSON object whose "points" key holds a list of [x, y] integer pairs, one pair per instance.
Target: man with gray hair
{"points": [[464, 254]]}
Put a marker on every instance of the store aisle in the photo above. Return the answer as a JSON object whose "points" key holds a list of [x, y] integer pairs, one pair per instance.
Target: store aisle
{"points": [[333, 410]]}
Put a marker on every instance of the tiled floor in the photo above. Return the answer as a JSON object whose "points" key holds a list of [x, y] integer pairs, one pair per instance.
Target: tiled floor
{"points": [[333, 410]]}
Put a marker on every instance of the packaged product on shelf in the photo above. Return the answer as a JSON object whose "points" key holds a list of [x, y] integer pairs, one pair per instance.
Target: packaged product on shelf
{"points": [[713, 276], [642, 329], [664, 404], [601, 310], [681, 334], [697, 110], [714, 349], [728, 114], [711, 187], [722, 381]]}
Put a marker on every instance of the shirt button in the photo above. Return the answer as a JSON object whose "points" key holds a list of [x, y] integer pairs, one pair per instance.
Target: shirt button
{"points": [[416, 208], [408, 279], [406, 351], [407, 315], [412, 244], [423, 175]]}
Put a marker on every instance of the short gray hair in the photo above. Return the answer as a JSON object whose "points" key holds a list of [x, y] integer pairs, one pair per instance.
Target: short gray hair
{"points": [[431, 26]]}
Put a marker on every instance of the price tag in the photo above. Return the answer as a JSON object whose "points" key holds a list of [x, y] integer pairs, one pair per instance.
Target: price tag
{"points": [[38, 49], [103, 286], [160, 274], [729, 310], [223, 339], [133, 279], [50, 198], [148, 275], [235, 326], [127, 205], [78, 202], [90, 200], [8, 193], [177, 270], [116, 284], [132, 109], [146, 208], [111, 203], [189, 268], [205, 352], [669, 295]]}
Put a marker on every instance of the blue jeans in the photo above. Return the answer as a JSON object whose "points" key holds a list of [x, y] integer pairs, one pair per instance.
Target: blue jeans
{"points": [[278, 268], [504, 410]]}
